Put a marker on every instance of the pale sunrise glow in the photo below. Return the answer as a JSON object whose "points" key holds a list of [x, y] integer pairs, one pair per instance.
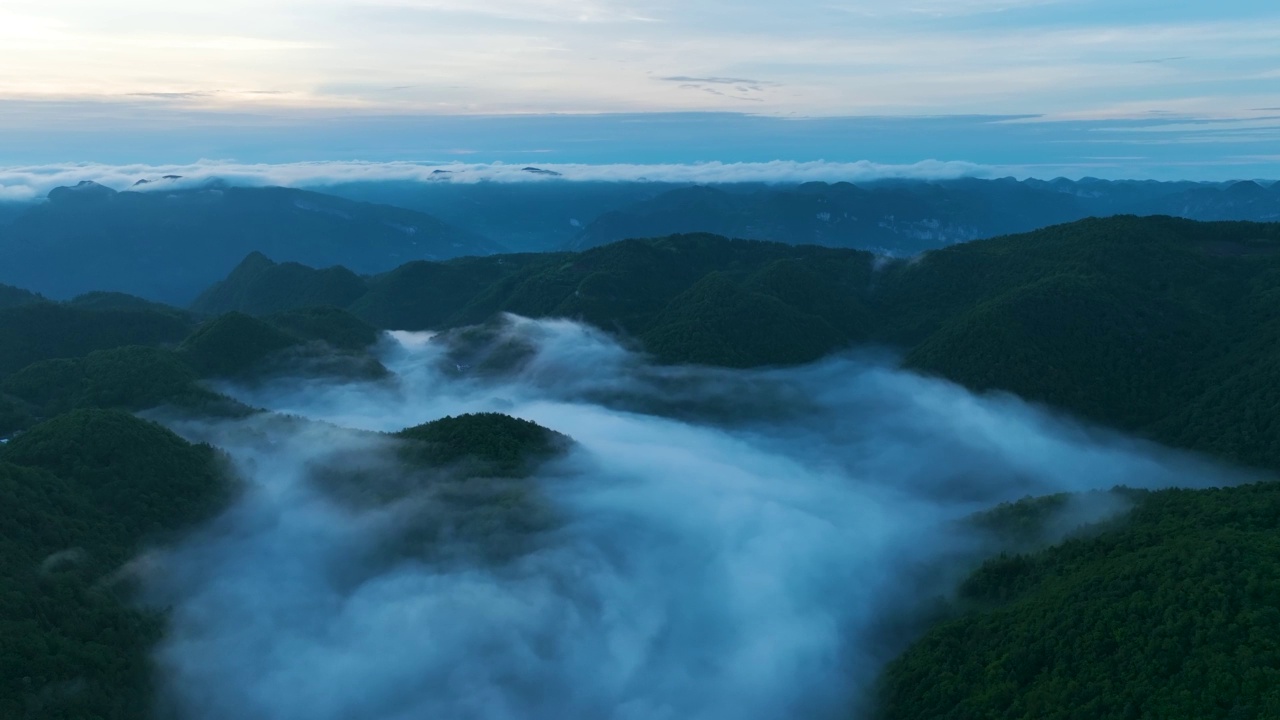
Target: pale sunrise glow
{"points": [[1181, 88], [810, 57]]}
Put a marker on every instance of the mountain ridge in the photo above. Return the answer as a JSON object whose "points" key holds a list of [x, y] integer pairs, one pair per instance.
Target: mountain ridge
{"points": [[907, 217], [1163, 308], [162, 243]]}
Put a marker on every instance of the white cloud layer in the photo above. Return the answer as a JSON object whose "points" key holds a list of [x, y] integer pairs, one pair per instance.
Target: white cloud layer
{"points": [[730, 545], [25, 183]]}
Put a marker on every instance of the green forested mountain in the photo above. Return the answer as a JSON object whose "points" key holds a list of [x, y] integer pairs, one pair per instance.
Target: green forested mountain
{"points": [[1171, 612], [1163, 327], [480, 469], [103, 300], [233, 344], [82, 495], [330, 325], [90, 488], [43, 330], [416, 295], [1155, 325], [260, 286], [325, 340], [488, 443], [130, 377], [11, 296], [1127, 321], [625, 286], [105, 350]]}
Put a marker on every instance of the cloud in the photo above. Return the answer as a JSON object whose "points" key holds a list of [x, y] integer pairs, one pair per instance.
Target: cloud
{"points": [[735, 88], [32, 181], [938, 8], [729, 544], [546, 11], [713, 80], [574, 56], [1159, 61], [17, 193], [172, 95]]}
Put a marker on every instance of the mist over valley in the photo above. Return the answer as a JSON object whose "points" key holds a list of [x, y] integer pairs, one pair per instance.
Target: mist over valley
{"points": [[680, 477], [721, 543], [639, 360]]}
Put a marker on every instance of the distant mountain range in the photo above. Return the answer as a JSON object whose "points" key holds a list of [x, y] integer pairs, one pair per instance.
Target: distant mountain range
{"points": [[904, 218], [168, 244], [900, 217], [164, 241], [527, 217]]}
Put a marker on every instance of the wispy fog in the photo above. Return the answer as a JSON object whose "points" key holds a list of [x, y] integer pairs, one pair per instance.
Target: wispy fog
{"points": [[727, 544]]}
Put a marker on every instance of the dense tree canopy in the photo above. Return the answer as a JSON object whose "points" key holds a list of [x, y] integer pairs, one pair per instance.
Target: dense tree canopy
{"points": [[44, 330], [1155, 325], [1171, 612], [81, 496], [489, 443]]}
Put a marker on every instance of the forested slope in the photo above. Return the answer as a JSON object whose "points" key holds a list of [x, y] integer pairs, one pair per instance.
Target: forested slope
{"points": [[1173, 611], [1155, 325], [119, 352], [82, 495], [1162, 327]]}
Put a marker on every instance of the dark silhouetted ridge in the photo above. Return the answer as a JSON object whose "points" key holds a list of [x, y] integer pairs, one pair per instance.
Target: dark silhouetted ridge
{"points": [[259, 286], [166, 244]]}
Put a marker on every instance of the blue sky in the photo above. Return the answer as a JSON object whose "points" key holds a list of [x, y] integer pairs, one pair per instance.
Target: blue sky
{"points": [[1128, 87]]}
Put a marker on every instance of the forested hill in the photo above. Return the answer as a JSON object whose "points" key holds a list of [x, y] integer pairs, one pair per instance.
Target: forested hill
{"points": [[1171, 612], [85, 486], [83, 494], [118, 352], [1159, 326]]}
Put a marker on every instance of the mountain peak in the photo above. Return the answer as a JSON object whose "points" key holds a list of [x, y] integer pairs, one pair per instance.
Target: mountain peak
{"points": [[254, 262], [166, 178], [83, 190], [1246, 187]]}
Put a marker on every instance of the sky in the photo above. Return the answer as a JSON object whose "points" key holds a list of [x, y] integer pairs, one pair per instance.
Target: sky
{"points": [[1154, 88]]}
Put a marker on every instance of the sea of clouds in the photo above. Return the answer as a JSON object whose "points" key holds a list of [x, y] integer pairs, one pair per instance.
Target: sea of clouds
{"points": [[31, 182], [731, 545]]}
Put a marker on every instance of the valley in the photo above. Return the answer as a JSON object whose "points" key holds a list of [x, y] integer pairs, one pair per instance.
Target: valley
{"points": [[693, 388]]}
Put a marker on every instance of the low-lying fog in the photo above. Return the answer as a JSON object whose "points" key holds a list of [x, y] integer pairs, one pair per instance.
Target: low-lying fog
{"points": [[730, 545]]}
